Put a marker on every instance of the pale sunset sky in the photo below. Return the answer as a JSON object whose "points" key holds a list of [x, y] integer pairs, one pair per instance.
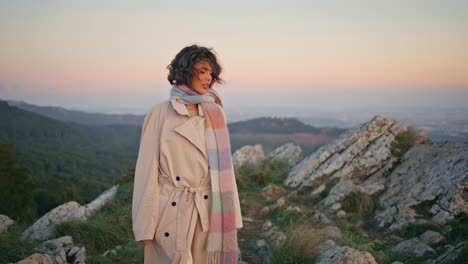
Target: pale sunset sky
{"points": [[112, 55]]}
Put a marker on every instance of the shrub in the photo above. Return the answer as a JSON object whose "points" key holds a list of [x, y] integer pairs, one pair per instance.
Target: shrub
{"points": [[403, 141], [358, 202], [300, 245], [251, 177]]}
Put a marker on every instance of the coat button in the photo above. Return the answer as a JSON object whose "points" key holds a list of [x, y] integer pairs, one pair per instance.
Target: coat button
{"points": [[173, 203], [166, 234], [206, 196], [177, 178]]}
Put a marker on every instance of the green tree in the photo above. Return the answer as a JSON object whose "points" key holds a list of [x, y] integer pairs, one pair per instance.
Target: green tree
{"points": [[16, 188]]}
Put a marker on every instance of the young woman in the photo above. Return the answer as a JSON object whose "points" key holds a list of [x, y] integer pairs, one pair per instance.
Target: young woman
{"points": [[185, 206]]}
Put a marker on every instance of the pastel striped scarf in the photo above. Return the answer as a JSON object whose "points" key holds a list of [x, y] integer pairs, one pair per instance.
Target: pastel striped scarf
{"points": [[222, 239]]}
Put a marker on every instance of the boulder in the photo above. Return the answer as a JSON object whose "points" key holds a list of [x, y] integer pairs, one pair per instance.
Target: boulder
{"points": [[5, 222], [290, 153], [330, 253], [248, 154], [331, 232], [431, 237], [414, 245]]}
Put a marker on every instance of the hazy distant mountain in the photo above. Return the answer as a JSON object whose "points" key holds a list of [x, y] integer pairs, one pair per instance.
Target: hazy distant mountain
{"points": [[270, 131], [273, 132], [80, 117], [278, 125]]}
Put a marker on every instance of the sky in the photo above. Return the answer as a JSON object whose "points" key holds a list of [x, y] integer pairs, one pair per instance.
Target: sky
{"points": [[112, 55]]}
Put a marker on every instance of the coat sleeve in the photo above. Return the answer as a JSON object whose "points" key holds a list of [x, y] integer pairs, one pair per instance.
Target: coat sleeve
{"points": [[145, 200]]}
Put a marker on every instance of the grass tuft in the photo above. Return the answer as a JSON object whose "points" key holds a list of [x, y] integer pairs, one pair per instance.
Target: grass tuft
{"points": [[358, 202], [300, 245]]}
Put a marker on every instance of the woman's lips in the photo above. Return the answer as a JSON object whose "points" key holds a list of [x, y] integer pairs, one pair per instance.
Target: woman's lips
{"points": [[206, 86]]}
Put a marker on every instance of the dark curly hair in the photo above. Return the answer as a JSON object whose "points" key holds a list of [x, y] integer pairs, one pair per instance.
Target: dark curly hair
{"points": [[181, 67]]}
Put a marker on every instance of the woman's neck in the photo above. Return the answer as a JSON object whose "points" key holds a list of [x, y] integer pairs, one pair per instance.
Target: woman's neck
{"points": [[191, 107]]}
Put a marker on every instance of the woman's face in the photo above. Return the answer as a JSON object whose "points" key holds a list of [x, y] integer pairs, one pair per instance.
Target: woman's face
{"points": [[201, 79]]}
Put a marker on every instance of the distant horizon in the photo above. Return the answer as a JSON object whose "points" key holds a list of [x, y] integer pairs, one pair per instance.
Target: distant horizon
{"points": [[325, 100], [231, 106]]}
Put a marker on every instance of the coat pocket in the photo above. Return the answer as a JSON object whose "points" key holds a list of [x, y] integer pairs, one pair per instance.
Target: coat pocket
{"points": [[166, 231]]}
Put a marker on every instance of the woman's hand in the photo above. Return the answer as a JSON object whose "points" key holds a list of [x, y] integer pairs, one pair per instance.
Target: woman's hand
{"points": [[146, 242]]}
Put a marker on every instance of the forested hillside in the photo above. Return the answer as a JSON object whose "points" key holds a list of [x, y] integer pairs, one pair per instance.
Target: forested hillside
{"points": [[67, 161]]}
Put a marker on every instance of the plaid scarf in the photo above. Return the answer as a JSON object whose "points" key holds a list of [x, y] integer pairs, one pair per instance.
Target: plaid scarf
{"points": [[222, 239]]}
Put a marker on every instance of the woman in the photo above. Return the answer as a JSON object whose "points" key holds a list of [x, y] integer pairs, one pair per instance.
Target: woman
{"points": [[185, 206]]}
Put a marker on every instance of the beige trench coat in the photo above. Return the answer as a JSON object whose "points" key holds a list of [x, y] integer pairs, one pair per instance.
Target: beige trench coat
{"points": [[172, 192]]}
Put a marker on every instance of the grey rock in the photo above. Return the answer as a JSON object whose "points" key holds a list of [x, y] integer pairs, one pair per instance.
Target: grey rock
{"points": [[37, 258], [322, 218], [261, 243], [318, 190], [414, 245], [274, 236], [55, 245], [431, 237], [42, 228], [248, 154], [335, 207], [294, 208], [80, 256], [331, 232], [341, 213], [279, 203], [288, 152], [5, 222], [343, 255], [433, 173], [73, 251]]}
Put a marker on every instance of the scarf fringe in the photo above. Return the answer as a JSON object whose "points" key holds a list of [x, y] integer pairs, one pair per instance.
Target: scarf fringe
{"points": [[214, 257], [230, 257]]}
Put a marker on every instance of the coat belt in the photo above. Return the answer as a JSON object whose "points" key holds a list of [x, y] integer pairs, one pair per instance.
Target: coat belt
{"points": [[187, 193]]}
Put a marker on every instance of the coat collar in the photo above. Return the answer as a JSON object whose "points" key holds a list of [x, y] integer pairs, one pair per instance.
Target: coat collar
{"points": [[192, 129], [182, 110]]}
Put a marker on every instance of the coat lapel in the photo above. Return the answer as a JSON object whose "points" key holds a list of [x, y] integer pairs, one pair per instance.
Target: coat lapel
{"points": [[192, 129]]}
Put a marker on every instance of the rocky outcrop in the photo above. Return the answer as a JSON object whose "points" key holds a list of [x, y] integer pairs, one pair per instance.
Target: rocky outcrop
{"points": [[361, 151], [248, 154], [42, 229], [431, 183], [5, 222], [331, 253], [290, 153], [428, 182]]}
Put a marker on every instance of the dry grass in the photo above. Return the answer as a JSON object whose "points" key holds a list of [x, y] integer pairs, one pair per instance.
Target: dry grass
{"points": [[358, 202], [300, 245]]}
